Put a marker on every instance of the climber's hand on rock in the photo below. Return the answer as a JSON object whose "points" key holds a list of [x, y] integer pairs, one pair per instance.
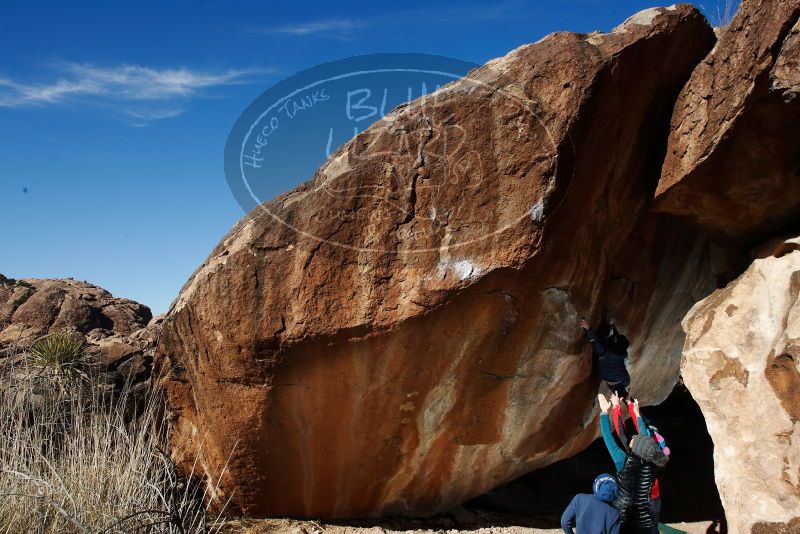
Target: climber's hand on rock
{"points": [[584, 324], [614, 399], [603, 402], [636, 407]]}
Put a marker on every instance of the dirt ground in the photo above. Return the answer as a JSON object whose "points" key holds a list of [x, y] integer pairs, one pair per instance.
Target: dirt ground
{"points": [[407, 526]]}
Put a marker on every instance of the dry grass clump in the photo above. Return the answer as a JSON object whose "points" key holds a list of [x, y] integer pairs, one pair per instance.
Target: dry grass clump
{"points": [[74, 458], [722, 16]]}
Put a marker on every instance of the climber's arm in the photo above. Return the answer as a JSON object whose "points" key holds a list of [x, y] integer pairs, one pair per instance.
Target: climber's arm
{"points": [[596, 344], [641, 427], [617, 454]]}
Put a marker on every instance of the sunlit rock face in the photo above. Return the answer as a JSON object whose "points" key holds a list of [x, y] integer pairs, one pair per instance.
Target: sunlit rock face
{"points": [[34, 307], [418, 343], [742, 364], [733, 162]]}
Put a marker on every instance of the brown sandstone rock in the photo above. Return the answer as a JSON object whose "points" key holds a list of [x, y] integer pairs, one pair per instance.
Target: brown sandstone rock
{"points": [[116, 330], [742, 364], [785, 74], [417, 344], [31, 307], [733, 160]]}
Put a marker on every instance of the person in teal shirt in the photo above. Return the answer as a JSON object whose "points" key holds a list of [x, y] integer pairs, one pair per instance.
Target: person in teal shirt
{"points": [[636, 463], [614, 448]]}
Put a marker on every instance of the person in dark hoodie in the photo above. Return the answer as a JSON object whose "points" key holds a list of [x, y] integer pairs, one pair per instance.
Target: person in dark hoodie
{"points": [[611, 350], [593, 513]]}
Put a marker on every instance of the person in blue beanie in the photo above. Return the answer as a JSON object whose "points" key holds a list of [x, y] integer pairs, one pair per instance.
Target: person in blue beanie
{"points": [[593, 514]]}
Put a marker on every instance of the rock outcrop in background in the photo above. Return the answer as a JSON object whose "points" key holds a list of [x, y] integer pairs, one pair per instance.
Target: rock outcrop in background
{"points": [[121, 334], [742, 365], [424, 347]]}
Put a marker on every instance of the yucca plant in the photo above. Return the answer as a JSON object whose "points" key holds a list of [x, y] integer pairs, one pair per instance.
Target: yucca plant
{"points": [[62, 353]]}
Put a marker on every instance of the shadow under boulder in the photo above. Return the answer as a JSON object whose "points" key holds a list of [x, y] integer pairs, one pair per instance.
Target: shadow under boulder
{"points": [[688, 490]]}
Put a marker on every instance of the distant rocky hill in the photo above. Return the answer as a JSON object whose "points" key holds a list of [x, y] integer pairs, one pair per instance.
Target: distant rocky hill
{"points": [[121, 334]]}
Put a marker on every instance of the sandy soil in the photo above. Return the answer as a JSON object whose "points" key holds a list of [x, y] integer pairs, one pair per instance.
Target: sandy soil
{"points": [[404, 526]]}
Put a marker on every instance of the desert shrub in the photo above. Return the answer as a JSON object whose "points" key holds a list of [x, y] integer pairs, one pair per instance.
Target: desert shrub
{"points": [[6, 281], [73, 460], [721, 16], [60, 353]]}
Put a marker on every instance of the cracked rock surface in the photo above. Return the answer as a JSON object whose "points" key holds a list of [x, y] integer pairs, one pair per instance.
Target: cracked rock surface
{"points": [[733, 161], [416, 344]]}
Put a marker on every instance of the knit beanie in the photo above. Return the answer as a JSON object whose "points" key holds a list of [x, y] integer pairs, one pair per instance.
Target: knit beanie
{"points": [[647, 449], [605, 488], [661, 441]]}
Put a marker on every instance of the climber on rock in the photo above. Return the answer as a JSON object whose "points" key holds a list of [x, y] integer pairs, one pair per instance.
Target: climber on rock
{"points": [[637, 463], [611, 350], [593, 512]]}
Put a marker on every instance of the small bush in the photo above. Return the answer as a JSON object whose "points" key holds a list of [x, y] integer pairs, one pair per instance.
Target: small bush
{"points": [[6, 281], [721, 17], [62, 353]]}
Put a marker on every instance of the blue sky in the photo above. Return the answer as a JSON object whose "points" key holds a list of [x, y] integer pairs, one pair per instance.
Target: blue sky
{"points": [[114, 116]]}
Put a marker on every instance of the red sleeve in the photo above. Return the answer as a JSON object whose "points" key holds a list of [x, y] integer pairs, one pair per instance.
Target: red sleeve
{"points": [[633, 416], [616, 412]]}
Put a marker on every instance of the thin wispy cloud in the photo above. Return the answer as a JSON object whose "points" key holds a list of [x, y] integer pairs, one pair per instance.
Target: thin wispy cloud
{"points": [[333, 27], [142, 93], [346, 28]]}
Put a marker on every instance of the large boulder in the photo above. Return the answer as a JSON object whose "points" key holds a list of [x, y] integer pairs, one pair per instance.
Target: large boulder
{"points": [[733, 161], [742, 364], [417, 343], [121, 334]]}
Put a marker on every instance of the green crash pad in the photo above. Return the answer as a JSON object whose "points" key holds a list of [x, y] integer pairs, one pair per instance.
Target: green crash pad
{"points": [[666, 529]]}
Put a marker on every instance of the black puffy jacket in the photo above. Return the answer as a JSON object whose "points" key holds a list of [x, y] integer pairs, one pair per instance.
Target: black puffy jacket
{"points": [[635, 482]]}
